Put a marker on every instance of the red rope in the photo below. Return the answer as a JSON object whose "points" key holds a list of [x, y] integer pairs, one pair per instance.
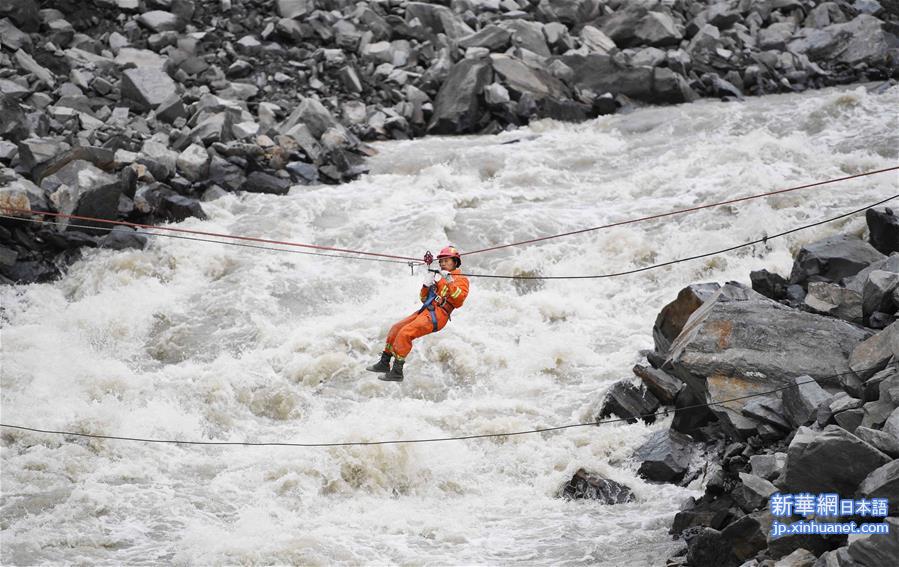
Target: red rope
{"points": [[523, 242], [679, 211], [203, 233]]}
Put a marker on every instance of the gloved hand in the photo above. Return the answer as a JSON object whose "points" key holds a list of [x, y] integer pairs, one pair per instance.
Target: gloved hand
{"points": [[446, 275], [428, 278]]}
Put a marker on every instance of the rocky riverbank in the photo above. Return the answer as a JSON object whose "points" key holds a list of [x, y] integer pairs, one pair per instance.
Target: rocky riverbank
{"points": [[824, 342], [139, 110]]}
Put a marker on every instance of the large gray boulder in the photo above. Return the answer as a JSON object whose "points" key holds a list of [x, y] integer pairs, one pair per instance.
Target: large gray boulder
{"points": [[658, 29], [876, 550], [146, 87], [881, 440], [832, 460], [527, 35], [662, 385], [832, 259], [492, 37], [861, 40], [600, 73], [671, 319], [569, 12], [877, 295], [518, 77], [884, 228], [831, 299], [873, 354], [457, 108], [665, 456], [740, 343], [883, 482], [629, 402]]}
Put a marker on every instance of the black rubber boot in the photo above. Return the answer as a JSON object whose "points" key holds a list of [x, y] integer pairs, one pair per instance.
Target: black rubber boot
{"points": [[382, 365], [396, 373]]}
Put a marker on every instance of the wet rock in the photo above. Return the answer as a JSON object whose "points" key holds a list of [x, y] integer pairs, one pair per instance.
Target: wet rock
{"points": [[877, 550], [884, 228], [661, 384], [691, 413], [830, 299], [832, 460], [457, 108], [665, 456], [261, 182], [817, 544], [311, 113], [590, 486], [748, 535], [146, 88], [802, 399], [122, 238], [873, 354], [709, 547], [627, 401], [832, 259]]}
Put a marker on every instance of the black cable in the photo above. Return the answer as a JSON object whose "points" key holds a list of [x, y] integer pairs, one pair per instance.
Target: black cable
{"points": [[762, 240], [145, 233], [433, 439]]}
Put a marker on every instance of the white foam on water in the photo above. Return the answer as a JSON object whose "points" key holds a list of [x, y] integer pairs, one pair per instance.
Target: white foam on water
{"points": [[197, 341]]}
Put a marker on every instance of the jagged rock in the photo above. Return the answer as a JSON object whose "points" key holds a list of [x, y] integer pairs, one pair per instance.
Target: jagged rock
{"points": [[622, 25], [830, 299], [892, 424], [261, 182], [527, 35], [883, 482], [492, 37], [799, 558], [295, 8], [665, 456], [875, 414], [28, 63], [768, 466], [752, 493], [877, 295], [596, 41], [873, 354], [82, 189], [858, 281], [661, 384], [658, 29], [627, 401], [767, 409], [832, 460], [771, 285], [748, 535], [313, 115], [123, 237], [690, 413], [520, 78], [849, 419], [599, 73], [589, 486], [776, 36], [884, 229], [671, 319], [876, 550], [438, 19], [23, 13], [568, 12], [861, 39], [709, 547], [832, 259], [457, 109], [193, 162], [146, 87], [12, 37], [739, 343], [802, 399]]}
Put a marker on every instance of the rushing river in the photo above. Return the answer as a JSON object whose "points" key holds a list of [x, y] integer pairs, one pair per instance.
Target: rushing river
{"points": [[196, 341]]}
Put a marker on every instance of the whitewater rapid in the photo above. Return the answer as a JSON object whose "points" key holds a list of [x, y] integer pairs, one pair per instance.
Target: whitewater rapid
{"points": [[196, 341]]}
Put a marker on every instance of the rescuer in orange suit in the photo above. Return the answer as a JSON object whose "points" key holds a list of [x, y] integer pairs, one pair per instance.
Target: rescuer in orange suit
{"points": [[441, 292]]}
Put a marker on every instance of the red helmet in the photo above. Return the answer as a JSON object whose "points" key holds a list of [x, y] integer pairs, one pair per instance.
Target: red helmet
{"points": [[451, 252]]}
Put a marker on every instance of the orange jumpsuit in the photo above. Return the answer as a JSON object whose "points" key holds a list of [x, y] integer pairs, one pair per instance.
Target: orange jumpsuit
{"points": [[450, 295]]}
